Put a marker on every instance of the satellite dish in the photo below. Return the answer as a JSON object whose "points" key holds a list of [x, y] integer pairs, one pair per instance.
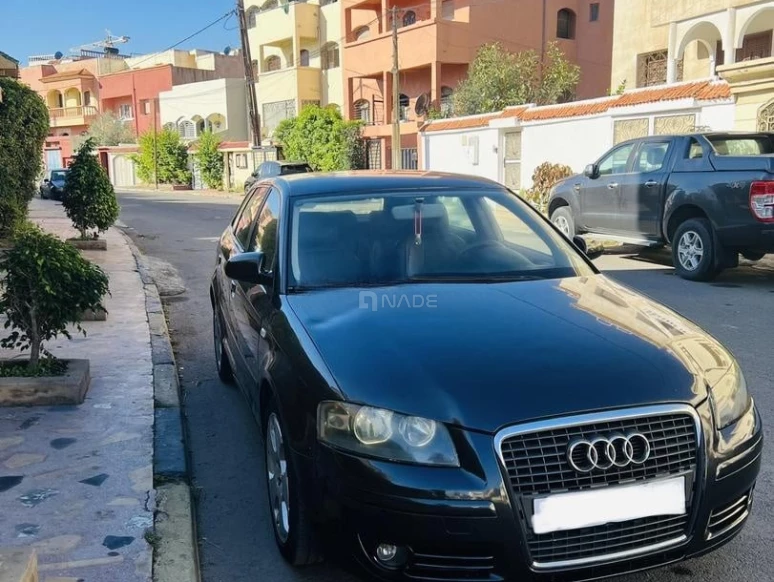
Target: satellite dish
{"points": [[420, 108], [58, 55], [227, 50]]}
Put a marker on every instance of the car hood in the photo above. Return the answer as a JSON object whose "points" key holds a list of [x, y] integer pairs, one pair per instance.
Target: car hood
{"points": [[487, 355]]}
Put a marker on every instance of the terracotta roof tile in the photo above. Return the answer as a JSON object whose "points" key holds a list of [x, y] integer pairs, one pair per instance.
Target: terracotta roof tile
{"points": [[701, 90], [576, 109], [461, 123], [226, 145]]}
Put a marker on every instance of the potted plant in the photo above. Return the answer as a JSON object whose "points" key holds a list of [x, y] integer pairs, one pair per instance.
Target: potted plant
{"points": [[46, 286], [89, 199]]}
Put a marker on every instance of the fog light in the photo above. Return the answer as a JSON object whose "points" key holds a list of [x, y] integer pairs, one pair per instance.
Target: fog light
{"points": [[390, 555]]}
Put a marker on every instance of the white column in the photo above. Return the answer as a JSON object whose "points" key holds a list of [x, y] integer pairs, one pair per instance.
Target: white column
{"points": [[672, 54], [729, 42]]}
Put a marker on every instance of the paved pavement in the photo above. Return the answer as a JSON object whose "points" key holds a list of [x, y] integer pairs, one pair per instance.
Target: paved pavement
{"points": [[76, 482], [236, 543]]}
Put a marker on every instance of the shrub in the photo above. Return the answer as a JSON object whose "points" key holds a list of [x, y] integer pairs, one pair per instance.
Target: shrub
{"points": [[545, 176], [166, 152], [23, 129], [89, 198], [210, 160], [48, 284]]}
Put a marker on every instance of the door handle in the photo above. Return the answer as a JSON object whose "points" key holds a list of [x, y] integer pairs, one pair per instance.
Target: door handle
{"points": [[651, 183], [612, 186], [576, 186]]}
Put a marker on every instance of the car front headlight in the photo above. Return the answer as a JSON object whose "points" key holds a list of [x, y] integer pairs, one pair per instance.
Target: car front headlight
{"points": [[730, 398], [376, 432]]}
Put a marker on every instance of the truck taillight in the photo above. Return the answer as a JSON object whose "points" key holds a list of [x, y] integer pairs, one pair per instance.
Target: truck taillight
{"points": [[762, 201]]}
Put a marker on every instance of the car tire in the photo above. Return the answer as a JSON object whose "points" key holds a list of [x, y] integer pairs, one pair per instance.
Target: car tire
{"points": [[293, 531], [563, 220], [753, 255], [694, 251], [225, 373]]}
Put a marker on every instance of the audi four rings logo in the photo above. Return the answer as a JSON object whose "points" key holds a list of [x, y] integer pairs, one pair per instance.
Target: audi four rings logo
{"points": [[605, 452]]}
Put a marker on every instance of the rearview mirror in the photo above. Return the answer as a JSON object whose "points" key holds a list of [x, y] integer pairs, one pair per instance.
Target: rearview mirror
{"points": [[591, 171], [593, 253], [248, 268]]}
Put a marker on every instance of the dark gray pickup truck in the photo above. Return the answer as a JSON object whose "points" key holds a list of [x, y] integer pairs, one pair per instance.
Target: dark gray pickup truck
{"points": [[708, 195]]}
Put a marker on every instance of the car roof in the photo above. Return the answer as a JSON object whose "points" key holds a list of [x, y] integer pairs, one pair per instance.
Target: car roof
{"points": [[285, 163], [337, 183]]}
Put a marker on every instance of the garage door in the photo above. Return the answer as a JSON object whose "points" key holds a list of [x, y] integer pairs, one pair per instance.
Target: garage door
{"points": [[123, 172]]}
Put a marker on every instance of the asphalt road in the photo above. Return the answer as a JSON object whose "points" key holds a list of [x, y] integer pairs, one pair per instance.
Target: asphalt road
{"points": [[236, 543]]}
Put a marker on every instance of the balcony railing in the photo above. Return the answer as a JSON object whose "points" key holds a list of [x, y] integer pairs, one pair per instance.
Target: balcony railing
{"points": [[60, 112]]}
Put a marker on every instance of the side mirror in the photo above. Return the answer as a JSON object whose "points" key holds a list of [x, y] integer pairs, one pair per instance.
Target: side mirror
{"points": [[592, 254], [46, 180], [248, 268], [591, 171]]}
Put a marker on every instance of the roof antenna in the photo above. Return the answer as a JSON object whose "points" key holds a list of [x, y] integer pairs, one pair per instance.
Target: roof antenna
{"points": [[418, 220]]}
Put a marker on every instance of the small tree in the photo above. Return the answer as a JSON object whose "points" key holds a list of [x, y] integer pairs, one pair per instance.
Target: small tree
{"points": [[210, 159], [498, 79], [166, 151], [89, 198], [108, 130], [47, 285], [321, 137], [23, 129]]}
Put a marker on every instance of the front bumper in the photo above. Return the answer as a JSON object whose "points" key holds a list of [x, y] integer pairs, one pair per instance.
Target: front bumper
{"points": [[460, 524]]}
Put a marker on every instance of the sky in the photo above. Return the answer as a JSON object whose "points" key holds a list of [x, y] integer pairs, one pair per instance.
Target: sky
{"points": [[34, 27]]}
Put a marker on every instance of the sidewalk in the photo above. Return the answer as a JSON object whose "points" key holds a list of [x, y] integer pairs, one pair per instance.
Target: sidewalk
{"points": [[76, 482], [165, 191]]}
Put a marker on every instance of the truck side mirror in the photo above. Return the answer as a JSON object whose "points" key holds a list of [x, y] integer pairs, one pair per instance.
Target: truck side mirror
{"points": [[591, 171]]}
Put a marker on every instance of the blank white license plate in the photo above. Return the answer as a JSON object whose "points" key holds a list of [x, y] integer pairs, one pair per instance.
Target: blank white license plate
{"points": [[566, 511]]}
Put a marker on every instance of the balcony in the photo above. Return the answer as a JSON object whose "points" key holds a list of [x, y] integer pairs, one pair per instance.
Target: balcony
{"points": [[419, 45], [281, 23], [72, 116], [301, 83]]}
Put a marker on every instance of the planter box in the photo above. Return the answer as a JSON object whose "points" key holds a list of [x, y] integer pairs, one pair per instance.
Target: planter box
{"points": [[90, 315], [70, 388], [181, 187], [94, 244]]}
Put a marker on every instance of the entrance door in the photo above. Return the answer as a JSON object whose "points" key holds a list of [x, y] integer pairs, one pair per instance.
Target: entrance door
{"points": [[512, 160], [53, 159]]}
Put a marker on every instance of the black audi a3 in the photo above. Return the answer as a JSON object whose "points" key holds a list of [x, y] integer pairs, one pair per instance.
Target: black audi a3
{"points": [[448, 382]]}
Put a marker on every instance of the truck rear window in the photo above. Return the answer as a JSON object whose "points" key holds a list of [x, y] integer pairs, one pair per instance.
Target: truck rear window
{"points": [[743, 145]]}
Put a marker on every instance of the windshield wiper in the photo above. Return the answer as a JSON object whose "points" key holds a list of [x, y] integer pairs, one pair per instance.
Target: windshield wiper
{"points": [[475, 278], [347, 284]]}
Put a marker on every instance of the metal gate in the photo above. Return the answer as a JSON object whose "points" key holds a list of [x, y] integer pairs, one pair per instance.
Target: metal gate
{"points": [[374, 154], [409, 159], [512, 160], [196, 173]]}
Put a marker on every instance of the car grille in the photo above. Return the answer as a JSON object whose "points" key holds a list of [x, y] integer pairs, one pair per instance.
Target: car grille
{"points": [[536, 464], [726, 516], [456, 568]]}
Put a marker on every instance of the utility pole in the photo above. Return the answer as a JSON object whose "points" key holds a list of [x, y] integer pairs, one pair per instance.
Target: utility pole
{"points": [[396, 157], [252, 99], [155, 146]]}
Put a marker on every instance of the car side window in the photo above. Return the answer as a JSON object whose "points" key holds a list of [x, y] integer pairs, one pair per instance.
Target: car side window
{"points": [[695, 151], [246, 216], [651, 156], [458, 216], [616, 161], [264, 237]]}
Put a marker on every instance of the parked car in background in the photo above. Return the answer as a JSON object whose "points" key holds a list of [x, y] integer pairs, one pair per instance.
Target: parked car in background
{"points": [[276, 168], [53, 184], [447, 383], [709, 195]]}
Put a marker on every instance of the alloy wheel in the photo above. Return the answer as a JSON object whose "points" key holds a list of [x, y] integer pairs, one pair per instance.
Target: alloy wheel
{"points": [[561, 223], [690, 250], [277, 476]]}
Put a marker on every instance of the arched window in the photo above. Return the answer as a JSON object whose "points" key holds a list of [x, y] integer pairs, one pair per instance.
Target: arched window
{"points": [[252, 16], [329, 55], [170, 126], [272, 63], [363, 111], [766, 117], [565, 23], [304, 58], [404, 107], [187, 129], [269, 4], [447, 97], [361, 32], [409, 18]]}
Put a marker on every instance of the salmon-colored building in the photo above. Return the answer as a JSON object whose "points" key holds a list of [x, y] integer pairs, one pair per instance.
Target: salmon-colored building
{"points": [[438, 39]]}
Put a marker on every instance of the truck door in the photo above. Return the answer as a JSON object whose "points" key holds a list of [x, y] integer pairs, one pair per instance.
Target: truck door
{"points": [[599, 196], [641, 190]]}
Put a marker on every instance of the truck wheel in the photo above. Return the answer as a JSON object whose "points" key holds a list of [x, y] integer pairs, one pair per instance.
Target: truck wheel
{"points": [[753, 255], [563, 220], [694, 252]]}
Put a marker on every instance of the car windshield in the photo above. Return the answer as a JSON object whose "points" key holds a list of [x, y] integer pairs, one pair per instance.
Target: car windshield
{"points": [[58, 176], [464, 236]]}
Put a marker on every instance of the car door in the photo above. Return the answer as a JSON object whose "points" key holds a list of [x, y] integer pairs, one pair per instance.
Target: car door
{"points": [[253, 302], [234, 241], [641, 190], [599, 195]]}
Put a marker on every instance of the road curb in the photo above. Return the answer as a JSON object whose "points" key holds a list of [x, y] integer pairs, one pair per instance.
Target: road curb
{"points": [[175, 555]]}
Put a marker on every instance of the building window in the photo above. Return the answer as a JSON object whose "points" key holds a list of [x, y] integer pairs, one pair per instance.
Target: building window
{"points": [[594, 11], [252, 17], [409, 18], [145, 107], [755, 46], [304, 58], [447, 101], [363, 111], [672, 124], [565, 24], [187, 129], [652, 69], [275, 112], [329, 56], [404, 107], [240, 161], [766, 117], [125, 112], [170, 127], [273, 63], [87, 98], [447, 9], [361, 32]]}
